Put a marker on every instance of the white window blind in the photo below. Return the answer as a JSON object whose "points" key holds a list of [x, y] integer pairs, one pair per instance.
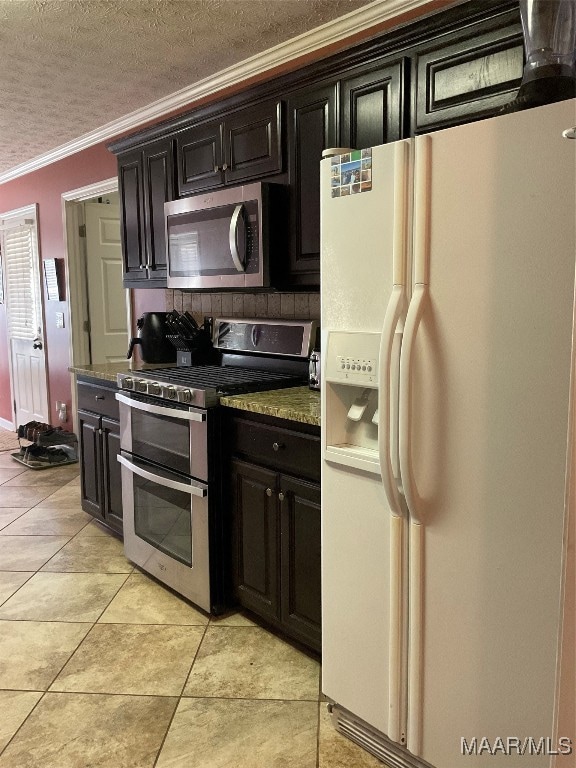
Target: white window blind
{"points": [[20, 255]]}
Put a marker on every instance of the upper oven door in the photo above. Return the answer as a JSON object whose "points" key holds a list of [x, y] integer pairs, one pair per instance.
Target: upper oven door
{"points": [[215, 240], [173, 436]]}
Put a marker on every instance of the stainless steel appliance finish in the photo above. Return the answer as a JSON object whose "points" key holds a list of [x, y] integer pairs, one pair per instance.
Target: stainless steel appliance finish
{"points": [[290, 338], [314, 370], [171, 450], [219, 239]]}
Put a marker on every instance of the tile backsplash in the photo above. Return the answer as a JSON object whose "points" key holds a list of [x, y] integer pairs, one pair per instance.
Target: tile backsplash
{"points": [[301, 306]]}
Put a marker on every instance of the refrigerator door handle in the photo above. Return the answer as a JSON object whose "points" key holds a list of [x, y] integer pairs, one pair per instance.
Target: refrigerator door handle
{"points": [[422, 175], [415, 311], [393, 314]]}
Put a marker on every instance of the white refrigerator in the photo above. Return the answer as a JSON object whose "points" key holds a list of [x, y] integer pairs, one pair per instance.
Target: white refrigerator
{"points": [[447, 313]]}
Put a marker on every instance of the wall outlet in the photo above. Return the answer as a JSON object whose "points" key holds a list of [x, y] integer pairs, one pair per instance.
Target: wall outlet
{"points": [[62, 411]]}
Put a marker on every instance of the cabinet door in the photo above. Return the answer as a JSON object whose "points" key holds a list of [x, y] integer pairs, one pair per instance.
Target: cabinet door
{"points": [[300, 559], [158, 164], [255, 538], [112, 477], [253, 142], [90, 463], [130, 183], [471, 77], [199, 158], [372, 106], [312, 127]]}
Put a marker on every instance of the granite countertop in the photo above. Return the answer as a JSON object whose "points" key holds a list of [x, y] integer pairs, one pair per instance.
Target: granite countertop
{"points": [[295, 403], [109, 371]]}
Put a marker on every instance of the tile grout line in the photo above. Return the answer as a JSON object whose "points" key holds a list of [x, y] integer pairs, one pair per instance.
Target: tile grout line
{"points": [[178, 698]]}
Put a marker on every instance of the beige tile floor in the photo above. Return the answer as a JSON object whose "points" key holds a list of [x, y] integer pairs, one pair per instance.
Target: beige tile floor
{"points": [[101, 666]]}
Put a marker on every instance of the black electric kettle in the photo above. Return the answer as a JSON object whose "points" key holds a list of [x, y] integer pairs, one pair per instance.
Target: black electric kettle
{"points": [[154, 346]]}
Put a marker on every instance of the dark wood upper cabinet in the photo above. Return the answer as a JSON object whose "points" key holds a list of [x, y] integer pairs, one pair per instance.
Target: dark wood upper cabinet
{"points": [[158, 163], [313, 126], [247, 144], [457, 65], [468, 78], [253, 141], [199, 157], [130, 182], [372, 105], [146, 182]]}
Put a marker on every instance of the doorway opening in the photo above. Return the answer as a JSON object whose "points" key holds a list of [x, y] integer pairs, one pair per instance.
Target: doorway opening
{"points": [[100, 307]]}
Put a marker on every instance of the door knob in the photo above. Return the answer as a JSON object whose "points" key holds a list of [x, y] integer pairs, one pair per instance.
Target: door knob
{"points": [[37, 344]]}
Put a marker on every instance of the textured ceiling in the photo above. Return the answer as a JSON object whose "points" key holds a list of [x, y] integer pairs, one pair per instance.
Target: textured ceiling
{"points": [[68, 67]]}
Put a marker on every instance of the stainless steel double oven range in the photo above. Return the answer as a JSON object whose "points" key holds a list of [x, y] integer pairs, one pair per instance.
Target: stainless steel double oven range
{"points": [[176, 525]]}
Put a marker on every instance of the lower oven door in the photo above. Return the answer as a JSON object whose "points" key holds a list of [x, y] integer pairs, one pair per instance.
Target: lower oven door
{"points": [[166, 529]]}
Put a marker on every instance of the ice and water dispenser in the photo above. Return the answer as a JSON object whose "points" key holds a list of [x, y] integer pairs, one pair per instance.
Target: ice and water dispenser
{"points": [[351, 393]]}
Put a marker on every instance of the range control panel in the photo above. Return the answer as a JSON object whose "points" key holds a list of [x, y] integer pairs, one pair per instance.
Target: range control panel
{"points": [[352, 358]]}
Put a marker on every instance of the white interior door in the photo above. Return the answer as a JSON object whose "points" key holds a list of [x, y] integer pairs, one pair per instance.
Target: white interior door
{"points": [[25, 323], [106, 294]]}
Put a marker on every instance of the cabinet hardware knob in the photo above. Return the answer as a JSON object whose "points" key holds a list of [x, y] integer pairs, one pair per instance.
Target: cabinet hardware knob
{"points": [[225, 167], [142, 266], [281, 496], [99, 397], [216, 168], [277, 446], [268, 491]]}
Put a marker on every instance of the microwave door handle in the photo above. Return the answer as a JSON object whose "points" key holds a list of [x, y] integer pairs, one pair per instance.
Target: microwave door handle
{"points": [[237, 227], [193, 490], [173, 413]]}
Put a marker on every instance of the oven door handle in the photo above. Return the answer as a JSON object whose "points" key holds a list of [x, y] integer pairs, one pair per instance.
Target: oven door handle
{"points": [[173, 413], [193, 490]]}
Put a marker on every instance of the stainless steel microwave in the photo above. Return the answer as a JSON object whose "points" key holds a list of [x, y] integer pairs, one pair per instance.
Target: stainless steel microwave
{"points": [[219, 239]]}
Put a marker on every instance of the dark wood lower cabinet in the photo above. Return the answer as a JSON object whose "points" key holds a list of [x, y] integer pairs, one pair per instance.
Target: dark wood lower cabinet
{"points": [[300, 607], [256, 530], [112, 476], [99, 438], [276, 545]]}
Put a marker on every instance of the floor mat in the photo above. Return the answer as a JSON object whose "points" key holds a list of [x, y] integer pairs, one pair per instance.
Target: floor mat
{"points": [[8, 440]]}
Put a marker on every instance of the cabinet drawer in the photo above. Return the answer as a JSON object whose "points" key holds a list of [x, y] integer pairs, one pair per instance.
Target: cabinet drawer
{"points": [[101, 400], [276, 447]]}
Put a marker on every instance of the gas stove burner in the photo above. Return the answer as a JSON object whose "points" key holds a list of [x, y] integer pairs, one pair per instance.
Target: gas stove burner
{"points": [[204, 385], [255, 355]]}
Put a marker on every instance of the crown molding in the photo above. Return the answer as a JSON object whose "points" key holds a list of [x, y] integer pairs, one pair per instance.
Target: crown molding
{"points": [[376, 13]]}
